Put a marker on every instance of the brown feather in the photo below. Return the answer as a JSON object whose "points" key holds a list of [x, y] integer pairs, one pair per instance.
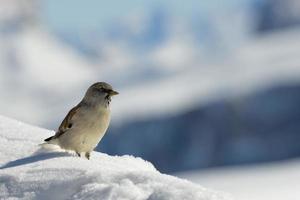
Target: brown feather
{"points": [[66, 123]]}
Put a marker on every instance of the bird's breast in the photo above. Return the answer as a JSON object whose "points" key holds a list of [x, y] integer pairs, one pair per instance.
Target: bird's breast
{"points": [[96, 121], [91, 128]]}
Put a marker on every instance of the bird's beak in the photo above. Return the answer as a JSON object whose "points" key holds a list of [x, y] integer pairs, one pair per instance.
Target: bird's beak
{"points": [[112, 93]]}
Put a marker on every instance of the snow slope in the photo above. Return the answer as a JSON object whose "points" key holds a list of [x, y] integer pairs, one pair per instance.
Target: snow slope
{"points": [[28, 172], [274, 181]]}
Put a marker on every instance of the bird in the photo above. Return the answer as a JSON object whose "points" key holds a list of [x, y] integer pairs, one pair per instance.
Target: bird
{"points": [[86, 123]]}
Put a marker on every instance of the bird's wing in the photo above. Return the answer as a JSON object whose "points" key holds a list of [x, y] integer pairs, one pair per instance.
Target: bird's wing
{"points": [[66, 124]]}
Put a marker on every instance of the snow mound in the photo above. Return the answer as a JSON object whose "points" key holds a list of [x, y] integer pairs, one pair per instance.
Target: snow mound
{"points": [[29, 172]]}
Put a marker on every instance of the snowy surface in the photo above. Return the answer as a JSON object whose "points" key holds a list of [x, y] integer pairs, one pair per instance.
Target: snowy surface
{"points": [[28, 172], [274, 181]]}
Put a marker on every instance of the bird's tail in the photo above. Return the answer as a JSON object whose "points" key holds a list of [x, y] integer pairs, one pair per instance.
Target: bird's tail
{"points": [[48, 139], [51, 140]]}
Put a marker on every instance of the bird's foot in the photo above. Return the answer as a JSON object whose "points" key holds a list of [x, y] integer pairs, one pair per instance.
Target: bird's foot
{"points": [[88, 155]]}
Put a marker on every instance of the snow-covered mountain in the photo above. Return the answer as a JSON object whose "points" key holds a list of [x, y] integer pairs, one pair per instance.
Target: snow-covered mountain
{"points": [[28, 172]]}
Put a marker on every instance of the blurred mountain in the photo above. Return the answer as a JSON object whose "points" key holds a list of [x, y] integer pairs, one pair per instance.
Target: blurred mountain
{"points": [[263, 126], [277, 14]]}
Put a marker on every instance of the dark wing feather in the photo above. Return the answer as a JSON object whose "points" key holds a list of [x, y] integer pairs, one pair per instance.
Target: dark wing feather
{"points": [[67, 122]]}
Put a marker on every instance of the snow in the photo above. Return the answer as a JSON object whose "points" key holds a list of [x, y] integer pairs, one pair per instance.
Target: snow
{"points": [[276, 181], [28, 171]]}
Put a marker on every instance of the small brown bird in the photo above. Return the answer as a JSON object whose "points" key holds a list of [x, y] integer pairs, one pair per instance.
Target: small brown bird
{"points": [[85, 124]]}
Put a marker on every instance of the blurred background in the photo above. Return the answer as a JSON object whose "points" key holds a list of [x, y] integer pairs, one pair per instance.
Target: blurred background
{"points": [[209, 90]]}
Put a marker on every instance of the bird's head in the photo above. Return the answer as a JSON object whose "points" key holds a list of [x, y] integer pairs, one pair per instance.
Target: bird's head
{"points": [[100, 92]]}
